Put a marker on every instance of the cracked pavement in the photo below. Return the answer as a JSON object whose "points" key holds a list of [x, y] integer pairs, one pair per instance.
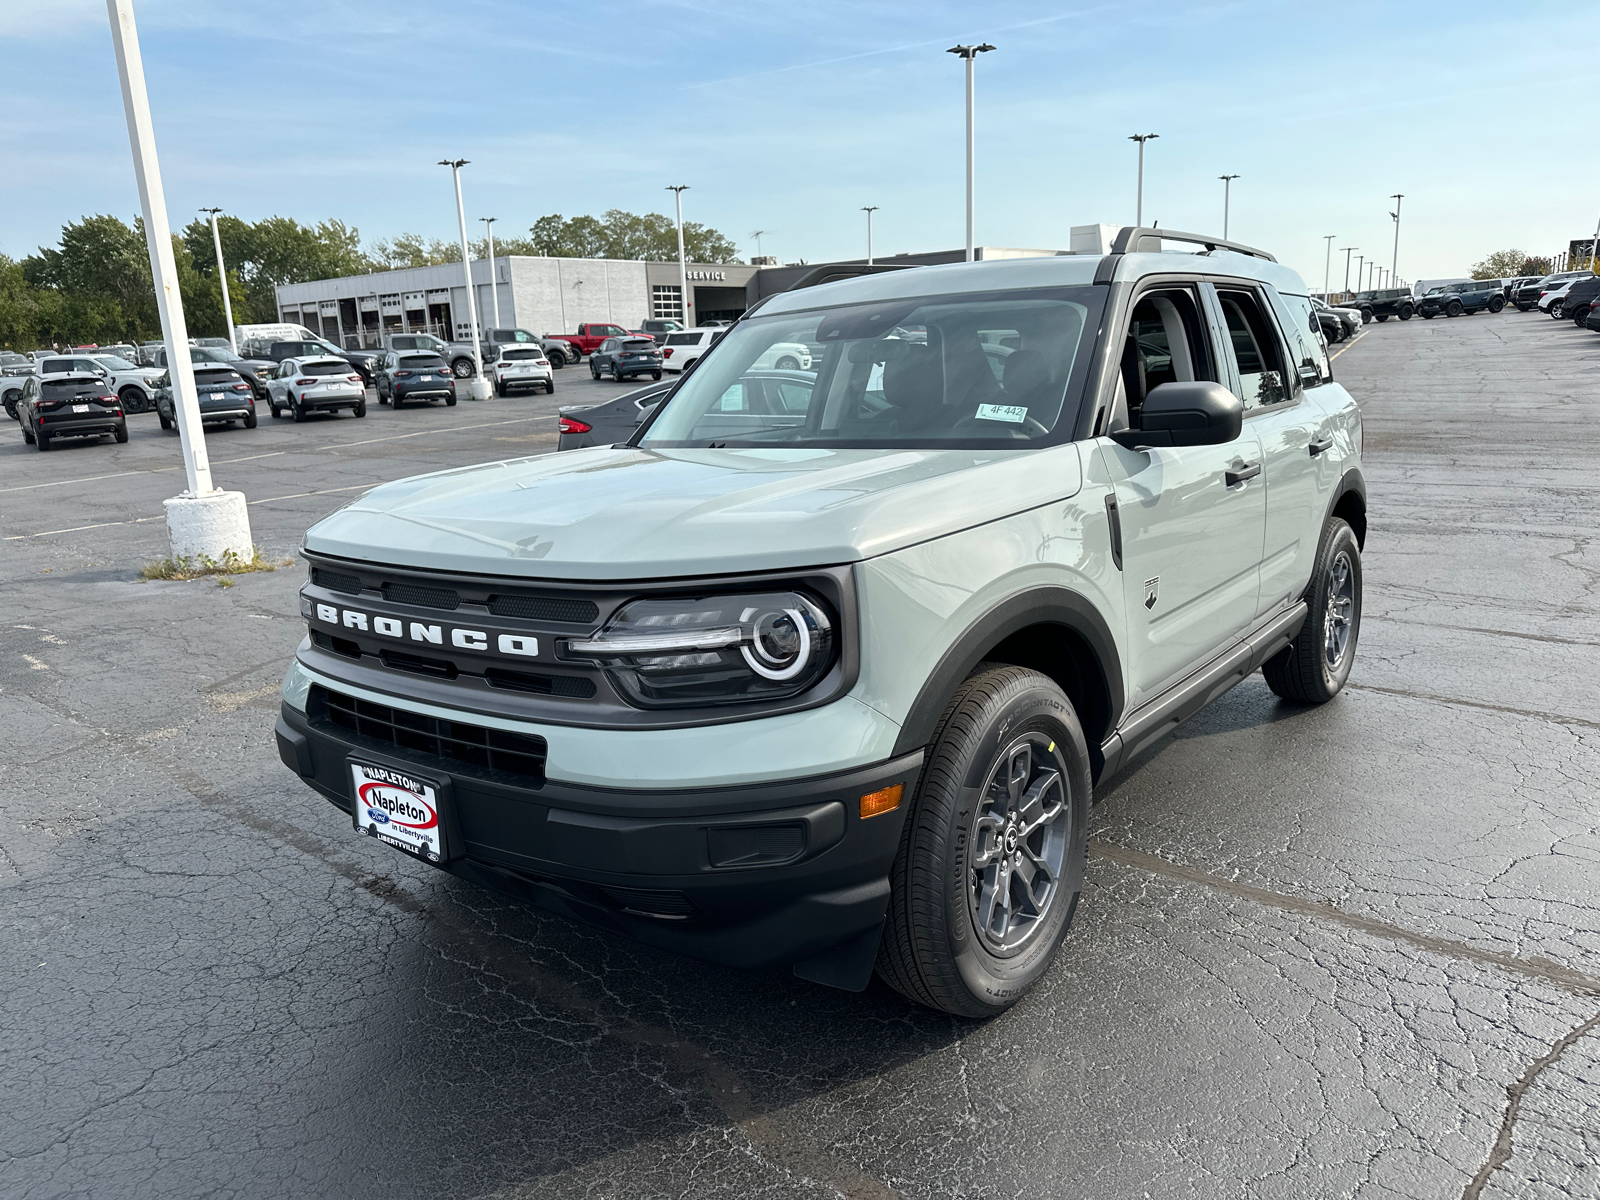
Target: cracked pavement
{"points": [[1344, 952]]}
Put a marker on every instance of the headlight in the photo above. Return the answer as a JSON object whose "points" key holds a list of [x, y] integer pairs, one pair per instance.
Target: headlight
{"points": [[714, 649]]}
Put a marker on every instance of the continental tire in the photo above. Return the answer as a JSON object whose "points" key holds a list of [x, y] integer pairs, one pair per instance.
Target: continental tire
{"points": [[990, 864], [1315, 666], [1406, 312]]}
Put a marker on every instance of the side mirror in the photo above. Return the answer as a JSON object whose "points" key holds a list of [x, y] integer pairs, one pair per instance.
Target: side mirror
{"points": [[1196, 413]]}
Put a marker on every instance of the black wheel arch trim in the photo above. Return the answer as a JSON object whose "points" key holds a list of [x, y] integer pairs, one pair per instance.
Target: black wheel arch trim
{"points": [[1036, 606], [1352, 483]]}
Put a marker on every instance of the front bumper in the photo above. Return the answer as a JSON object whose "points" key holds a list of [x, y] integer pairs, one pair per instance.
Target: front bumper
{"points": [[759, 875]]}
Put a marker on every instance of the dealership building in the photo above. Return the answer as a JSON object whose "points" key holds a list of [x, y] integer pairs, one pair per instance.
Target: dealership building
{"points": [[542, 295], [556, 295]]}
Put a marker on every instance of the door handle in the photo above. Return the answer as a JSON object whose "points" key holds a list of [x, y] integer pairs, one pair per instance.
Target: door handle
{"points": [[1320, 445], [1242, 472]]}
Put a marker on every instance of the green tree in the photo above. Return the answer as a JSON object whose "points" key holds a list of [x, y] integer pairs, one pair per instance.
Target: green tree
{"points": [[1535, 265], [1502, 264], [19, 307], [620, 234]]}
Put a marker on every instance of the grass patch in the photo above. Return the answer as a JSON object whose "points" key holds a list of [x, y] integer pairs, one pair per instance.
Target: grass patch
{"points": [[203, 564]]}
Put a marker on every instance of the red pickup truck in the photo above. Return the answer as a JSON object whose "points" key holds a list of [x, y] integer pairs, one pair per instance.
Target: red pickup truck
{"points": [[589, 336]]}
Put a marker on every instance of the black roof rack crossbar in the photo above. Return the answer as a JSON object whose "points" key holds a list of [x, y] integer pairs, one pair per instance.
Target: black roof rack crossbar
{"points": [[1131, 238], [830, 272]]}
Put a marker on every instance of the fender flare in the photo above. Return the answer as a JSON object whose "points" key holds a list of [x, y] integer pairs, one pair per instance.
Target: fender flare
{"points": [[1351, 481], [1036, 606]]}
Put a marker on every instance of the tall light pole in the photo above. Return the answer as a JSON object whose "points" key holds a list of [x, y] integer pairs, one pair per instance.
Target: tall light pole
{"points": [[970, 54], [1138, 206], [1347, 250], [494, 285], [677, 190], [1227, 183], [1360, 260], [202, 519], [1327, 264], [455, 165], [869, 209], [1394, 265], [222, 277]]}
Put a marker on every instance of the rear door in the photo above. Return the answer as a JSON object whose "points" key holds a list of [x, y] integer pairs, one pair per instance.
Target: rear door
{"points": [[1192, 517], [1276, 359]]}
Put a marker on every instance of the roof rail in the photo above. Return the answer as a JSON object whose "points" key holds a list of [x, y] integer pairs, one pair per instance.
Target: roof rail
{"points": [[1131, 238]]}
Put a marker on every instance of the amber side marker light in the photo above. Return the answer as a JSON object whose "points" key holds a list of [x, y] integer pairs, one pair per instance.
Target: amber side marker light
{"points": [[882, 801]]}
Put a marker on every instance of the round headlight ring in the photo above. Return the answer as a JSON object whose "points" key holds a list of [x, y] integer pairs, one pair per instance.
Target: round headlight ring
{"points": [[755, 651]]}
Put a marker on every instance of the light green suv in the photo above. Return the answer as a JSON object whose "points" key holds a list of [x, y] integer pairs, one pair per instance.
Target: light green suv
{"points": [[820, 670]]}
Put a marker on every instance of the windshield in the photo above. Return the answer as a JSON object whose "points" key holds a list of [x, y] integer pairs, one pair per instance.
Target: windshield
{"points": [[977, 370]]}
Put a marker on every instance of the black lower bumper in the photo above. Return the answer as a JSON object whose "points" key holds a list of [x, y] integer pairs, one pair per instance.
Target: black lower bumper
{"points": [[86, 426], [761, 875]]}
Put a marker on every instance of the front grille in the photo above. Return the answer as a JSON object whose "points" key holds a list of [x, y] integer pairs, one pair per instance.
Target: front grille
{"points": [[338, 645], [421, 597], [572, 686], [398, 660], [336, 581], [453, 741], [544, 608]]}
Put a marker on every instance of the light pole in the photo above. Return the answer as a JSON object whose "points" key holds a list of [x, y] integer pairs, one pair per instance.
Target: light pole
{"points": [[455, 165], [1138, 204], [1347, 250], [677, 190], [1360, 260], [869, 209], [202, 519], [1327, 264], [222, 277], [494, 286], [970, 54], [1394, 265], [1227, 183]]}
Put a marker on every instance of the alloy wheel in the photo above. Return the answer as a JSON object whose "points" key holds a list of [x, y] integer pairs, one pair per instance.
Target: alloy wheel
{"points": [[1338, 611], [1020, 833]]}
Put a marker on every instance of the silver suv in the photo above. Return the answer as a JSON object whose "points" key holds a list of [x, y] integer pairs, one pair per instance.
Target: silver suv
{"points": [[823, 676]]}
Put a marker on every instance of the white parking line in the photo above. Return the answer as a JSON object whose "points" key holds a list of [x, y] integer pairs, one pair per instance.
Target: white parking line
{"points": [[449, 429], [28, 487]]}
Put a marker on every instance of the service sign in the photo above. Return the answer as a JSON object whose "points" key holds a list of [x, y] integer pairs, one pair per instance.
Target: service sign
{"points": [[397, 808]]}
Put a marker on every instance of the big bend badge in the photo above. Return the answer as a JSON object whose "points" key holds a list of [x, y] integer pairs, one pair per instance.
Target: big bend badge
{"points": [[1151, 588]]}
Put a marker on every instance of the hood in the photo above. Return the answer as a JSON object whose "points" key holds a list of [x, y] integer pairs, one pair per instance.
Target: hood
{"points": [[604, 514]]}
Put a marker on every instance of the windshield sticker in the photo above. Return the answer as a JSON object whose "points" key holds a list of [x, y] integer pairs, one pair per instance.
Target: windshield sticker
{"points": [[1014, 413]]}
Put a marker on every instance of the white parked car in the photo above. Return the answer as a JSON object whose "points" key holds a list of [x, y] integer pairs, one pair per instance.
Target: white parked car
{"points": [[136, 385], [316, 383], [1551, 300], [520, 367]]}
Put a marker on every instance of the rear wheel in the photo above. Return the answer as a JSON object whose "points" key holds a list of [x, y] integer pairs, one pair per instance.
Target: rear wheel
{"points": [[1521, 307], [360, 409], [299, 412], [398, 402], [27, 435], [1497, 303], [1557, 310], [594, 370], [550, 387], [121, 433], [991, 859], [1382, 317], [250, 421], [788, 363], [616, 372], [1314, 667], [656, 375], [450, 400], [166, 421], [41, 440], [500, 389]]}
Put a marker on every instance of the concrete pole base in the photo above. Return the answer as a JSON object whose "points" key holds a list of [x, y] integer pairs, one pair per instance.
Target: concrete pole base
{"points": [[478, 388], [209, 525]]}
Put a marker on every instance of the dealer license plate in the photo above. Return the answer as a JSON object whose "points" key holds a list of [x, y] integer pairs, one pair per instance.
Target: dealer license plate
{"points": [[80, 408], [398, 808]]}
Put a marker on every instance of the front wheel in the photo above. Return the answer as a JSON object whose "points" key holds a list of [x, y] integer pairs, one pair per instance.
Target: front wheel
{"points": [[991, 859], [1428, 316], [1453, 309], [788, 363], [1382, 317], [1366, 317], [1406, 312], [133, 400], [1314, 667], [1524, 307]]}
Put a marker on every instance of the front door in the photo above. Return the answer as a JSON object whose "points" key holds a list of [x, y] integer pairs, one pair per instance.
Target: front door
{"points": [[1192, 517]]}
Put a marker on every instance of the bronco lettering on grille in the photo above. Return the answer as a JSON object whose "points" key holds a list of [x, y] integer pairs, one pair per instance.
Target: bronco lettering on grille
{"points": [[460, 637]]}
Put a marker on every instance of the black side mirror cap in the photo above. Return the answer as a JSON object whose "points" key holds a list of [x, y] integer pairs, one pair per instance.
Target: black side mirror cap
{"points": [[1197, 413]]}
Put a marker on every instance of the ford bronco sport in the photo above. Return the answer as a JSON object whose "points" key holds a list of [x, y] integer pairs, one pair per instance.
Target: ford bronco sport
{"points": [[826, 682]]}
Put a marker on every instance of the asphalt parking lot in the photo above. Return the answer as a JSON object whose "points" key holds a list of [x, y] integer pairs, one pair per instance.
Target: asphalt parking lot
{"points": [[1351, 951]]}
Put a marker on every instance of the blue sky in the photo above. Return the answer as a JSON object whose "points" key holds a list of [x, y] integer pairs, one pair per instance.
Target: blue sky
{"points": [[790, 117]]}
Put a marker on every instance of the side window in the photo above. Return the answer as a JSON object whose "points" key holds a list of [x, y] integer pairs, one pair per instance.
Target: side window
{"points": [[1303, 332], [1165, 343], [1256, 352]]}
